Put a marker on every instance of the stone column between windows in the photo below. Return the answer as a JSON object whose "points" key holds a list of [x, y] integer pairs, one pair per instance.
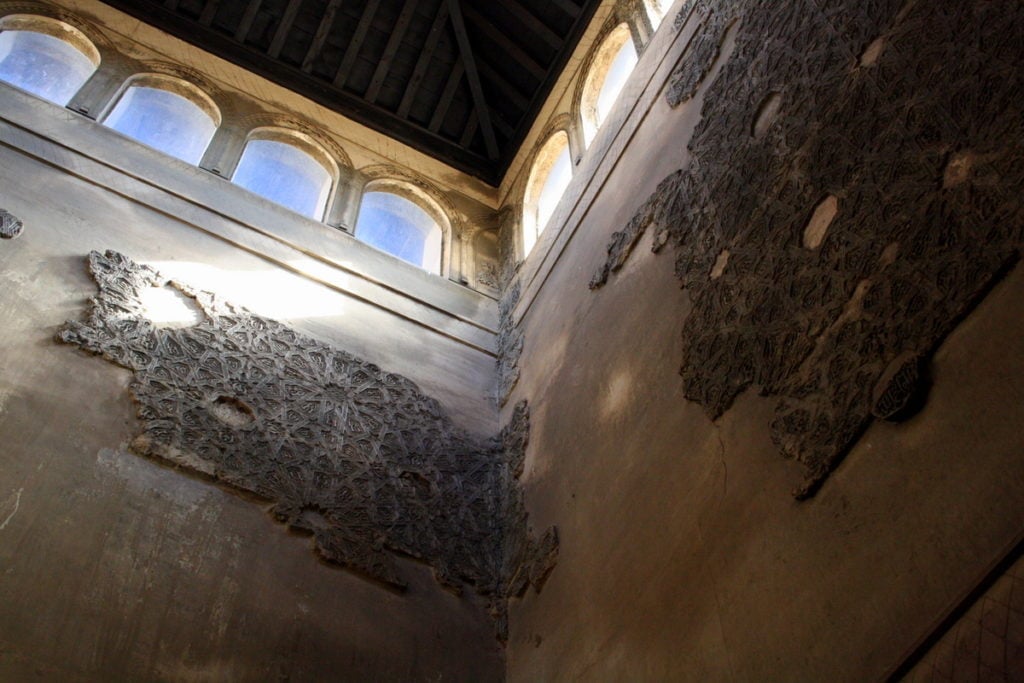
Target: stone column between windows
{"points": [[343, 211]]}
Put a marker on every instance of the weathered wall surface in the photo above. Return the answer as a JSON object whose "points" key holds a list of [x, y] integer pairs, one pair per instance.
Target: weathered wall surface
{"points": [[683, 554], [116, 567]]}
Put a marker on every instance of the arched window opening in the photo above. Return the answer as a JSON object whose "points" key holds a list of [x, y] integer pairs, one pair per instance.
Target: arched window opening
{"points": [[288, 170], [656, 10], [401, 221], [167, 114], [608, 74], [46, 57], [549, 177]]}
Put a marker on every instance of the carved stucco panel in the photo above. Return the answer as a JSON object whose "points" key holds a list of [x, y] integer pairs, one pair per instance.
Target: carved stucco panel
{"points": [[359, 457], [853, 191]]}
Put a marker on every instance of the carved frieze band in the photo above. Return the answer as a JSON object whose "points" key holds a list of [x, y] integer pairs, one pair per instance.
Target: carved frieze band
{"points": [[355, 455], [853, 190]]}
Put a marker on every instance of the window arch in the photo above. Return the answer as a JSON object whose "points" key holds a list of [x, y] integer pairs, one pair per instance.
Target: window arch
{"points": [[166, 113], [46, 57], [404, 221], [549, 177], [610, 69], [288, 168]]}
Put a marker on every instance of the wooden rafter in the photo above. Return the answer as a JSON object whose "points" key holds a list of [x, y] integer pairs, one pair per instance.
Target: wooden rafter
{"points": [[530, 21], [281, 34], [209, 11], [426, 54], [507, 89], [441, 111], [508, 46], [567, 6], [475, 87], [394, 42], [357, 42], [245, 25], [320, 37]]}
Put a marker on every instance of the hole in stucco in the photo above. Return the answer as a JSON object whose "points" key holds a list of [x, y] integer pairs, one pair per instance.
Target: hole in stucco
{"points": [[824, 214], [231, 411], [872, 52], [168, 306], [958, 169], [312, 518], [766, 113], [720, 263]]}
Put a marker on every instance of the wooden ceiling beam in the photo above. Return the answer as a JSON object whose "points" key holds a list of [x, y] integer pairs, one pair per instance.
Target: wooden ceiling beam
{"points": [[507, 89], [426, 54], [570, 8], [441, 111], [504, 126], [470, 131], [498, 37], [320, 37], [531, 22], [209, 11], [394, 42], [281, 34], [245, 25], [466, 50], [357, 42]]}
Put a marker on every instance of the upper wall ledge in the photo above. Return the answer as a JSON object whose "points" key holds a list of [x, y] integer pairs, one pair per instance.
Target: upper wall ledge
{"points": [[216, 206]]}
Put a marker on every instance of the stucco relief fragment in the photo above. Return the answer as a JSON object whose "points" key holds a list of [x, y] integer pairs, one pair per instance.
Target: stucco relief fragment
{"points": [[357, 456], [510, 343], [840, 327], [10, 225], [701, 54]]}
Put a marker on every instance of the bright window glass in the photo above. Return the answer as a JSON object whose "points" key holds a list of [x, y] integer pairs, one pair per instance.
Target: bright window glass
{"points": [[285, 174], [550, 176], [615, 79], [400, 227], [164, 120], [609, 71], [554, 187], [43, 65]]}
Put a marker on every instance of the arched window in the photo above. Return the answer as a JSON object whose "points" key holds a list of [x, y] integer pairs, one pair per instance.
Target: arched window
{"points": [[608, 74], [166, 113], [550, 175], [287, 168], [403, 221], [44, 56], [656, 10]]}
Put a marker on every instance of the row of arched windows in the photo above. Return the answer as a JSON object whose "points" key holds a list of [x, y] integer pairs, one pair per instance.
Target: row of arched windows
{"points": [[610, 66], [53, 60]]}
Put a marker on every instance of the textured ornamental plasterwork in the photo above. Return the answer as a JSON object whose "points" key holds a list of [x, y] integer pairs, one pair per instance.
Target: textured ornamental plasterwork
{"points": [[10, 225], [355, 455], [904, 117], [510, 343], [700, 55]]}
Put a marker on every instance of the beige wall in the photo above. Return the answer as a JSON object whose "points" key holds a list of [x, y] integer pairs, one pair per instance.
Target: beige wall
{"points": [[119, 568], [683, 554]]}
